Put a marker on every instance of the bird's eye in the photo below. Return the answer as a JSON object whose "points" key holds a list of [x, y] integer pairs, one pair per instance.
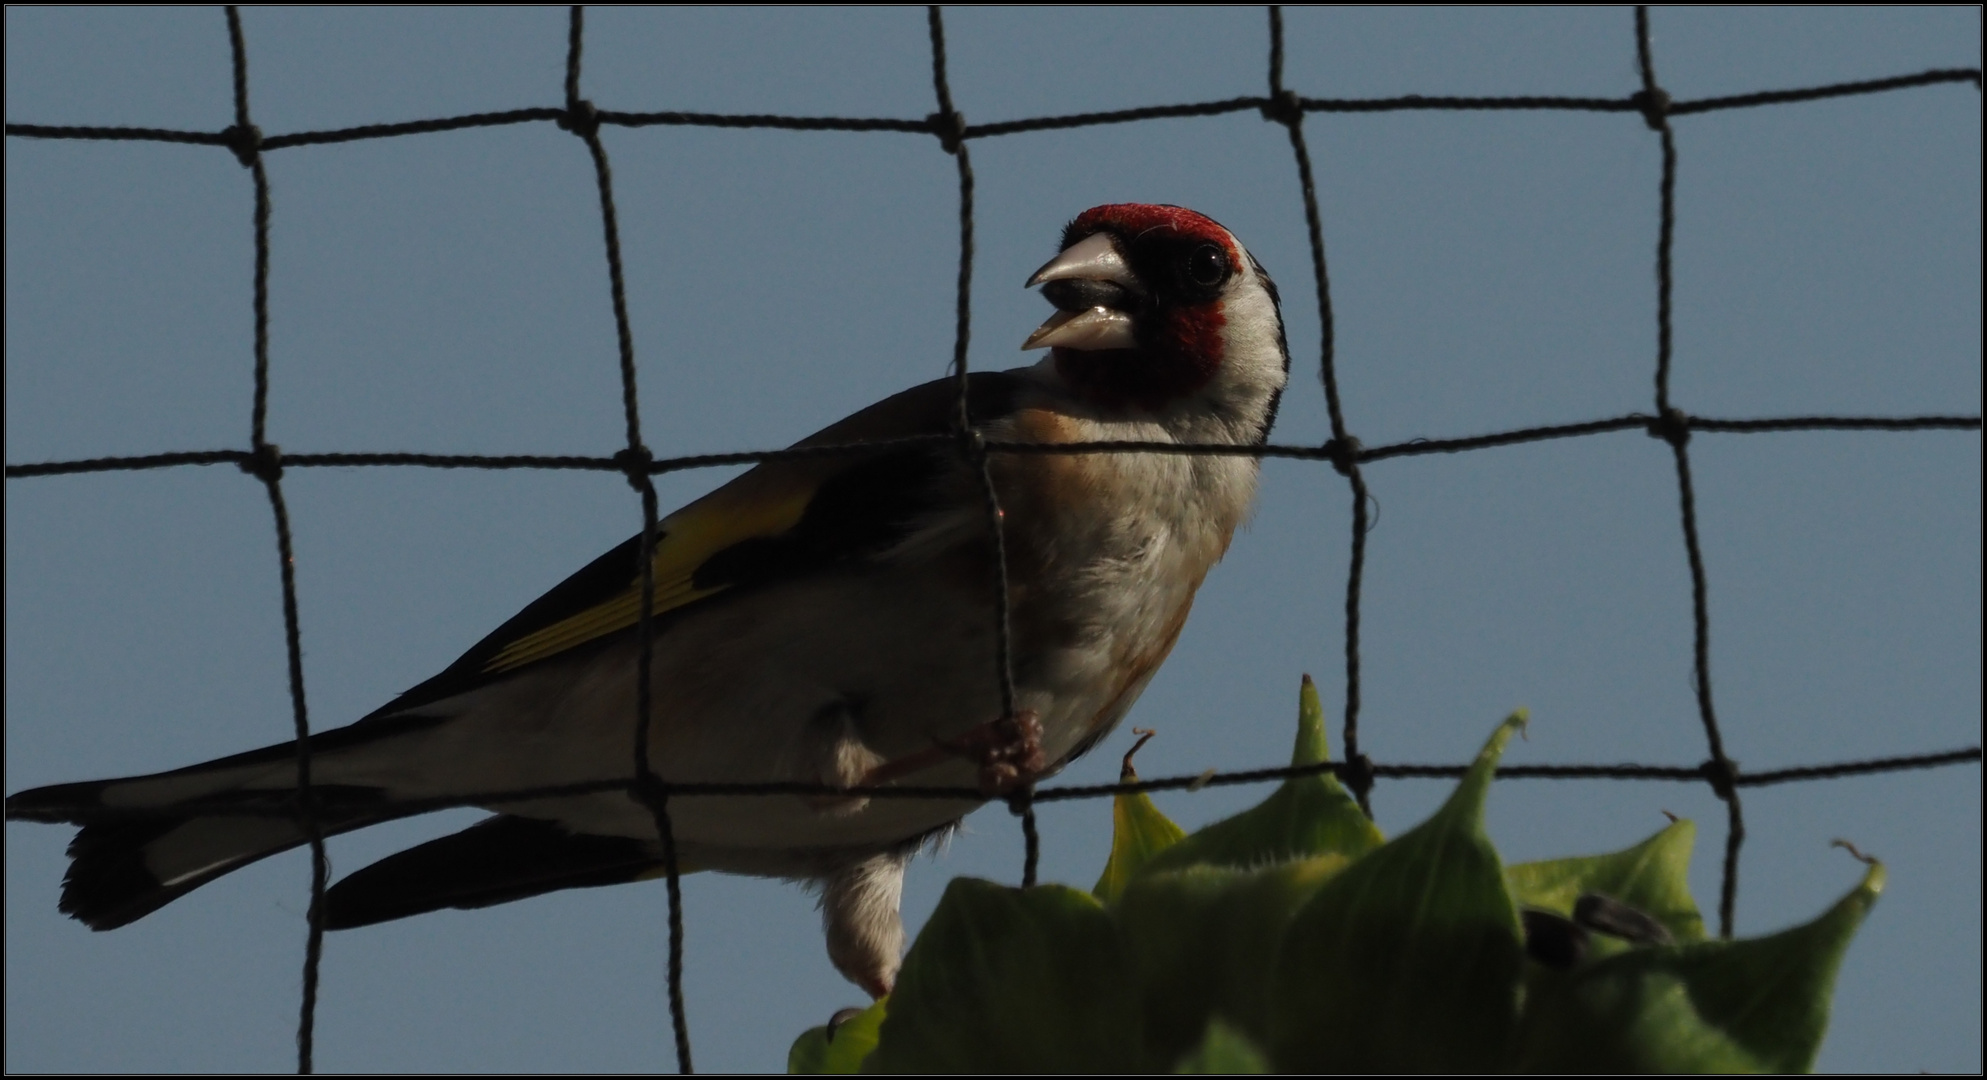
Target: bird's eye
{"points": [[1207, 266]]}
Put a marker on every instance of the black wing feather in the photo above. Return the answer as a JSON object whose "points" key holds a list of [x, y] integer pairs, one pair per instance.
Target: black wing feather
{"points": [[869, 504]]}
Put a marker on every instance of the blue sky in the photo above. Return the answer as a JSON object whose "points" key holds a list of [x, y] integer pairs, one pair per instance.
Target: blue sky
{"points": [[447, 293]]}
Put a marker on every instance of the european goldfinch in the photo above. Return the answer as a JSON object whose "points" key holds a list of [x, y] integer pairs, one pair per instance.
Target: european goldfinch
{"points": [[824, 619]]}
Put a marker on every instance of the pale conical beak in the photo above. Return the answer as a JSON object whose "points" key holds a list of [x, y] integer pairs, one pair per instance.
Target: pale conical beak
{"points": [[1094, 258], [1096, 328]]}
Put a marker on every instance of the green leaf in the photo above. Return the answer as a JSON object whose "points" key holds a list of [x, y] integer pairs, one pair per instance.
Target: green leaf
{"points": [[1772, 993], [1758, 1005], [1223, 1050], [1201, 942], [1138, 832], [1632, 1013], [1311, 748], [1305, 816], [1651, 876], [808, 1056], [1411, 958], [1008, 980], [817, 1052]]}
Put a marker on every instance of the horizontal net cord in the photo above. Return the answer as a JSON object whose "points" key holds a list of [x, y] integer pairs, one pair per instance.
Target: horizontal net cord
{"points": [[1327, 452], [1651, 103], [1633, 103], [283, 805]]}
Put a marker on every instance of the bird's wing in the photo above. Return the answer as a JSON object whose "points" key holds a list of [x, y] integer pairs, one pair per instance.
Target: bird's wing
{"points": [[781, 520], [145, 840]]}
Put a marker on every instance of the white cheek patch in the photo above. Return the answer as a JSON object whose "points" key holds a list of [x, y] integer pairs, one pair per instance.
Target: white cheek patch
{"points": [[1253, 360]]}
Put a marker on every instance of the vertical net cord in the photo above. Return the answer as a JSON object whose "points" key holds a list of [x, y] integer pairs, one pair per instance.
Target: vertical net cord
{"points": [[1673, 427], [266, 462], [1286, 108], [266, 465], [950, 127], [582, 119]]}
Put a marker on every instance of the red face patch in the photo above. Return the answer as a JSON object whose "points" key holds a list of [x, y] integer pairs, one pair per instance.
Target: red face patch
{"points": [[1131, 220], [1181, 341]]}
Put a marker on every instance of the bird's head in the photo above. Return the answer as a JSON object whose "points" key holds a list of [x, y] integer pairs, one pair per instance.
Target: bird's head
{"points": [[1161, 310]]}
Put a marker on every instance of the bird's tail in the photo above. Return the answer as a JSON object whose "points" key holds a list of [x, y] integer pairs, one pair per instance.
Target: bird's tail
{"points": [[148, 840]]}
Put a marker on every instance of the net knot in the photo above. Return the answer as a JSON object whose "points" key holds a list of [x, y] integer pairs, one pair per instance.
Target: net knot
{"points": [[1343, 454], [1723, 774], [650, 790], [1283, 107], [581, 118], [245, 142], [1673, 427], [1654, 105], [634, 464], [265, 463], [1358, 774], [972, 443], [950, 127]]}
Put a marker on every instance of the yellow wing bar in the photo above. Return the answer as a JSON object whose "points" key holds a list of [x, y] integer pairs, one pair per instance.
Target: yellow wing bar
{"points": [[685, 540]]}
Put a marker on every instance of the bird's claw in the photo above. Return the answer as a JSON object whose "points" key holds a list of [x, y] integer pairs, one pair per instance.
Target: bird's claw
{"points": [[1008, 752]]}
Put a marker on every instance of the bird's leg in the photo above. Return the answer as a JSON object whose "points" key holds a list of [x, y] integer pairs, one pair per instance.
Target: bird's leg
{"points": [[835, 754], [1008, 752], [859, 910]]}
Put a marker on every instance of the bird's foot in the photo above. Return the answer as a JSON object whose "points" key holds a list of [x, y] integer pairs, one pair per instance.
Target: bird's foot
{"points": [[1008, 752]]}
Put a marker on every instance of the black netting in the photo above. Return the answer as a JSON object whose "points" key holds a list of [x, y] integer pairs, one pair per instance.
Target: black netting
{"points": [[1343, 452]]}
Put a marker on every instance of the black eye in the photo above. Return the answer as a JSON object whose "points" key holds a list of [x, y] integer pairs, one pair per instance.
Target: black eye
{"points": [[1206, 266]]}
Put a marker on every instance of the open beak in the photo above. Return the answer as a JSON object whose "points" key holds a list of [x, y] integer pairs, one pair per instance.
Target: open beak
{"points": [[1096, 282]]}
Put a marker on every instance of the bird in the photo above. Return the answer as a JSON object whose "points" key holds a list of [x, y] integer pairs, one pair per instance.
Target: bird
{"points": [[829, 619]]}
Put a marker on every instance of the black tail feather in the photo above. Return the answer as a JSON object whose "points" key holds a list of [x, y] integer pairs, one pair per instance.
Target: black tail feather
{"points": [[148, 840], [108, 883], [59, 803], [501, 859], [114, 875]]}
